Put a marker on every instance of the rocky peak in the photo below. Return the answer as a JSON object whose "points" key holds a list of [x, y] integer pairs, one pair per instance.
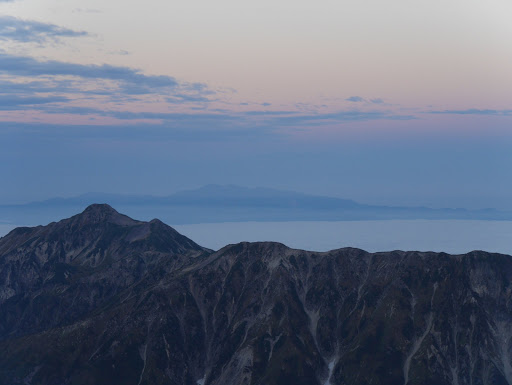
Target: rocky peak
{"points": [[98, 244], [99, 213], [100, 208]]}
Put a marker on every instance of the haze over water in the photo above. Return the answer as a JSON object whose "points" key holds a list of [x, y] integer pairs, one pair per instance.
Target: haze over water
{"points": [[451, 236]]}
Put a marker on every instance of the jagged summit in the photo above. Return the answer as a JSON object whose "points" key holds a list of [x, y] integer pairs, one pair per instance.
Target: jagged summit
{"points": [[102, 212], [100, 208], [99, 229], [118, 248]]}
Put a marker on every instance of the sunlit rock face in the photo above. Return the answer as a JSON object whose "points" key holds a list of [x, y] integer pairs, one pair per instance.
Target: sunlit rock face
{"points": [[101, 299]]}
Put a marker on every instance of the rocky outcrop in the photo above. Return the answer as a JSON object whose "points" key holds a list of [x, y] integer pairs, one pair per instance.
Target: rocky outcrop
{"points": [[166, 311]]}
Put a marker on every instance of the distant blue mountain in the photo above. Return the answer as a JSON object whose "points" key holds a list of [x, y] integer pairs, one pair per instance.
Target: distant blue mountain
{"points": [[236, 196], [230, 203]]}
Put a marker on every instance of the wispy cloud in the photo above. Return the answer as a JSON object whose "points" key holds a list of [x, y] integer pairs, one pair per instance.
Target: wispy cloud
{"points": [[474, 111], [9, 102], [169, 116], [29, 31], [360, 99], [355, 99], [27, 66], [340, 116], [226, 122], [251, 118], [57, 87], [197, 127], [108, 94], [270, 113], [184, 98], [53, 85]]}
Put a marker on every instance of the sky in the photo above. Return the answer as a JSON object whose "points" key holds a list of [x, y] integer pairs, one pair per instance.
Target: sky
{"points": [[386, 102]]}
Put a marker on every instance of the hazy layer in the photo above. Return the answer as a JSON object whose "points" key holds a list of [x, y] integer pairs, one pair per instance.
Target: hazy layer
{"points": [[450, 236]]}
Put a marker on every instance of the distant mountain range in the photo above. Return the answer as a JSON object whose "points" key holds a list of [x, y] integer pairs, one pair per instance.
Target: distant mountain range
{"points": [[214, 203], [100, 298]]}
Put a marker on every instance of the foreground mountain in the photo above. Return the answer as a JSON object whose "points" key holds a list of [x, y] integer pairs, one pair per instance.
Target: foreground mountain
{"points": [[102, 299], [56, 273], [214, 203]]}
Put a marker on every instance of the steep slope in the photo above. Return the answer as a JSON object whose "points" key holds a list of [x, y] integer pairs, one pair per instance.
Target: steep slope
{"points": [[50, 274], [261, 313]]}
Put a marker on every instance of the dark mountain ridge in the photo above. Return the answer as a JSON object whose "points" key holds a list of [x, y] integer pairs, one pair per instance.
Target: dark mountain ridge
{"points": [[100, 298], [85, 259]]}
